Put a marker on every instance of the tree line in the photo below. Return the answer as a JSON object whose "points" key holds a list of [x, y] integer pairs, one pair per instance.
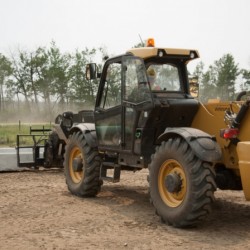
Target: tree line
{"points": [[222, 80], [46, 81]]}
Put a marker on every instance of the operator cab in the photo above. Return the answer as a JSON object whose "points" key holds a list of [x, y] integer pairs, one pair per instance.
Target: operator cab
{"points": [[131, 112]]}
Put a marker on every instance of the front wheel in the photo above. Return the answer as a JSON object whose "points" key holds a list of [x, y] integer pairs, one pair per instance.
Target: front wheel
{"points": [[181, 185], [82, 167]]}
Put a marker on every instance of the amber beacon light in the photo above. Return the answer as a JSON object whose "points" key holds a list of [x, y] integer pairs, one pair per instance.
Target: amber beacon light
{"points": [[150, 42]]}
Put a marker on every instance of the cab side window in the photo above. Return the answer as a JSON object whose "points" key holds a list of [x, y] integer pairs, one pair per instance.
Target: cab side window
{"points": [[112, 88], [136, 82]]}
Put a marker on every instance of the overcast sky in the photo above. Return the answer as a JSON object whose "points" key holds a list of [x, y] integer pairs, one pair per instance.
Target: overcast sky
{"points": [[214, 27]]}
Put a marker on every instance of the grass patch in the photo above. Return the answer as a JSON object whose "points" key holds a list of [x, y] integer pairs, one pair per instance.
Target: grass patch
{"points": [[8, 133]]}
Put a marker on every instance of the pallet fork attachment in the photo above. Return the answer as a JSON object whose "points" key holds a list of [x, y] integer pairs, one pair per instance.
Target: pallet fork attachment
{"points": [[32, 155]]}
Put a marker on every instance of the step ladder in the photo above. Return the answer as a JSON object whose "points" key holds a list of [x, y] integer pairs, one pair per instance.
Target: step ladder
{"points": [[115, 168]]}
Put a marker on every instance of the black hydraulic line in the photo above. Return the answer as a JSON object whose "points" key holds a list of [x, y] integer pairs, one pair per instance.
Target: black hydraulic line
{"points": [[241, 114]]}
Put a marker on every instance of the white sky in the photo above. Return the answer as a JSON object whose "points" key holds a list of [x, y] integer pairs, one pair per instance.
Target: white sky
{"points": [[214, 27]]}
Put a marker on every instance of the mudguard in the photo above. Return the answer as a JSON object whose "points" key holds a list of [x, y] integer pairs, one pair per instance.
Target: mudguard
{"points": [[88, 129], [204, 145]]}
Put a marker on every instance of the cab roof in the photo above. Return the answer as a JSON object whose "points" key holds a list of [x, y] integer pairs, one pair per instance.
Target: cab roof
{"points": [[147, 52]]}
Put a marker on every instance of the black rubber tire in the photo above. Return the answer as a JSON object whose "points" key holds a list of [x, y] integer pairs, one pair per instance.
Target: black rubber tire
{"points": [[192, 203], [85, 182], [52, 159]]}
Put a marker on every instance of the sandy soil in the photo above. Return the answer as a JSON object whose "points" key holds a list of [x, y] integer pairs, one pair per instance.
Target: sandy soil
{"points": [[38, 212]]}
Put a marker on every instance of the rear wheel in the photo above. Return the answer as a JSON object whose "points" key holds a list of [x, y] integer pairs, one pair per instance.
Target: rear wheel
{"points": [[82, 167], [181, 185]]}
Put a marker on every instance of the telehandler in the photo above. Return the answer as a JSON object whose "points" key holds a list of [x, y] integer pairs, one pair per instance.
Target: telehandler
{"points": [[189, 148]]}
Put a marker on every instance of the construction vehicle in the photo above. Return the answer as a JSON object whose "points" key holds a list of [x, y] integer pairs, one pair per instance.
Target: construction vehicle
{"points": [[189, 148], [45, 147]]}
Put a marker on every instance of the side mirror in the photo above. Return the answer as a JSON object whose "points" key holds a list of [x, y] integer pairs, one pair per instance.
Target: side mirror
{"points": [[91, 71]]}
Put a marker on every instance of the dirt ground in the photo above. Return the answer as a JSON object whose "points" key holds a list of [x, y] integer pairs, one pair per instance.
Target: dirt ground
{"points": [[38, 212]]}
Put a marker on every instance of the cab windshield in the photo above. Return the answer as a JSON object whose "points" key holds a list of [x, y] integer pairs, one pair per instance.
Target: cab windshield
{"points": [[164, 77]]}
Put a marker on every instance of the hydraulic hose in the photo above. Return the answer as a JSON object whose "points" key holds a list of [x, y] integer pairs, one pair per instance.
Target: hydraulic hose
{"points": [[241, 114]]}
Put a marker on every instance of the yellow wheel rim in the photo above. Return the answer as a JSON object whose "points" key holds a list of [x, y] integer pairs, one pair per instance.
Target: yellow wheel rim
{"points": [[76, 176], [175, 198]]}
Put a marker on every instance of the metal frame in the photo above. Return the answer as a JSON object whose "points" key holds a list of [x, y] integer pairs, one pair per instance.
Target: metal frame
{"points": [[39, 139]]}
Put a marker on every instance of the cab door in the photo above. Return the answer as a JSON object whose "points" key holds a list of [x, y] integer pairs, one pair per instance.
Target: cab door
{"points": [[136, 99], [108, 106], [119, 100]]}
